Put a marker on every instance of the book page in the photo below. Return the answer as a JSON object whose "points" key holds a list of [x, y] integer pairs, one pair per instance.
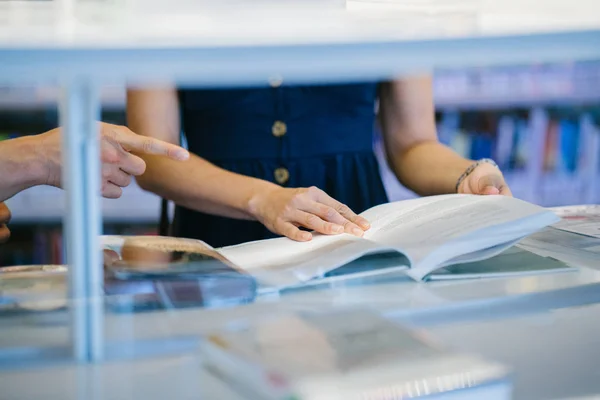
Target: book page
{"points": [[456, 224], [275, 253], [283, 262]]}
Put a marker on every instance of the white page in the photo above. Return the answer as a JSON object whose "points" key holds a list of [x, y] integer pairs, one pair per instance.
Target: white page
{"points": [[424, 226], [449, 226], [282, 262], [274, 253]]}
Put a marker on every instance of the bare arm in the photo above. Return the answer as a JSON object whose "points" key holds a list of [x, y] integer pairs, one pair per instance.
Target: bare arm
{"points": [[414, 153], [196, 184], [199, 185], [21, 166], [36, 160]]}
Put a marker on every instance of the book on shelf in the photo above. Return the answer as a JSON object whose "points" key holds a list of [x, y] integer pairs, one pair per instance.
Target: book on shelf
{"points": [[420, 237], [345, 354]]}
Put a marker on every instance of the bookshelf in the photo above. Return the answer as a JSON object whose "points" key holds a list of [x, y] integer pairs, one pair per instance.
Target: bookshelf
{"points": [[568, 83]]}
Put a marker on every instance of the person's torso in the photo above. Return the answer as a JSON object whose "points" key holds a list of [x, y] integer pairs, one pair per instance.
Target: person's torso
{"points": [[279, 122], [296, 136]]}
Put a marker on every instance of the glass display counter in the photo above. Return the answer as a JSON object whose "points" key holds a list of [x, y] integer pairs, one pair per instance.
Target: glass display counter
{"points": [[85, 49]]}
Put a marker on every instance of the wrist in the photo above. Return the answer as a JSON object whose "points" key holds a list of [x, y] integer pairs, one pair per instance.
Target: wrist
{"points": [[482, 163], [29, 165], [260, 191], [49, 150]]}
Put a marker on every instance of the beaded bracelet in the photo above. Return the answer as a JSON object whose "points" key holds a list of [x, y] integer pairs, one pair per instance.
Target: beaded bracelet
{"points": [[472, 168]]}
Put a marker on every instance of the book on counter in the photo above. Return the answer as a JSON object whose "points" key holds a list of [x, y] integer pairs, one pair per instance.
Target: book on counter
{"points": [[150, 273], [421, 237], [582, 220], [347, 354], [165, 272], [33, 288]]}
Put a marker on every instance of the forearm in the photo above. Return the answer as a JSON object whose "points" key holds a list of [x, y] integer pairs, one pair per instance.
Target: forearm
{"points": [[199, 185], [195, 183], [428, 168], [21, 166], [413, 151]]}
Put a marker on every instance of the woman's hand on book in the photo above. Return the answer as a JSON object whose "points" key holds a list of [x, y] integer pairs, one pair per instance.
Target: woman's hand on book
{"points": [[284, 210], [4, 220], [486, 179]]}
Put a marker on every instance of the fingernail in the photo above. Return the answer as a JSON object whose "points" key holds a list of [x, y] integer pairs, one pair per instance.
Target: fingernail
{"points": [[337, 229], [182, 155], [490, 190], [306, 236], [357, 232]]}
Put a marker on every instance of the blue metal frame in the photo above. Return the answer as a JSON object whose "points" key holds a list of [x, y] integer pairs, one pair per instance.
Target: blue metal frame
{"points": [[208, 66], [79, 113]]}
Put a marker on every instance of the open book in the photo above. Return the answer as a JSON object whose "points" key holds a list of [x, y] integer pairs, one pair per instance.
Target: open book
{"points": [[421, 237], [418, 235]]}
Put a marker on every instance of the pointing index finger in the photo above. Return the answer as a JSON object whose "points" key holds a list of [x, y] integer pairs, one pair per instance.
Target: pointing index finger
{"points": [[143, 144]]}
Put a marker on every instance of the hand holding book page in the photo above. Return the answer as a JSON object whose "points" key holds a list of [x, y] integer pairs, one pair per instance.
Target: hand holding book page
{"points": [[431, 232]]}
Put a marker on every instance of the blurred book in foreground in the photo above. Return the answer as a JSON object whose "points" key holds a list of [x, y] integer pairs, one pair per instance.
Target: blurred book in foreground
{"points": [[351, 354]]}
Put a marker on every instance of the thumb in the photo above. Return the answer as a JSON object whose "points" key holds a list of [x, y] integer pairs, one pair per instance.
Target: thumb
{"points": [[489, 185], [490, 190]]}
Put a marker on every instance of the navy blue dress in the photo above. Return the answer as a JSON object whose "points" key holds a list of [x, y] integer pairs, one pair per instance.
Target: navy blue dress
{"points": [[295, 136]]}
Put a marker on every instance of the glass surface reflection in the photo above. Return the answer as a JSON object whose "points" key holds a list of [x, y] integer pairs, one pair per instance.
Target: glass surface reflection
{"points": [[158, 272], [145, 273], [33, 288]]}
